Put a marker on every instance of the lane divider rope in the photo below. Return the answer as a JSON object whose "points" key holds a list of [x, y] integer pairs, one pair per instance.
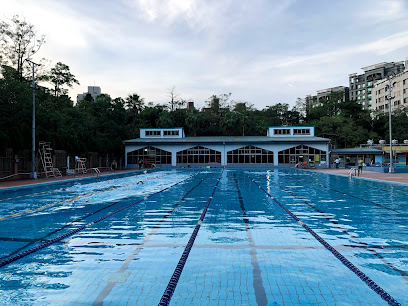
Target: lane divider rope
{"points": [[171, 286], [72, 232], [367, 280], [66, 201]]}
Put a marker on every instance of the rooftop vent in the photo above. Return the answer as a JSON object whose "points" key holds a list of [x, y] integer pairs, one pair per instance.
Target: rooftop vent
{"points": [[394, 141], [382, 142], [370, 142], [406, 141]]}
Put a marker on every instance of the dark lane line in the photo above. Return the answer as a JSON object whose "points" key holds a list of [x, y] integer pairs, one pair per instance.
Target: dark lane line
{"points": [[360, 274], [109, 286], [257, 282], [344, 230], [171, 286], [74, 231], [353, 196], [43, 238]]}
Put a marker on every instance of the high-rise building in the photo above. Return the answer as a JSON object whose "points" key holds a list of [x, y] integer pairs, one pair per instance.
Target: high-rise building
{"points": [[324, 95], [361, 85], [94, 91], [399, 93]]}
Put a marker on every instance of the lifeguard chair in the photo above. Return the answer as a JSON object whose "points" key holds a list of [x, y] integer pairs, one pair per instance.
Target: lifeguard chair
{"points": [[80, 165]]}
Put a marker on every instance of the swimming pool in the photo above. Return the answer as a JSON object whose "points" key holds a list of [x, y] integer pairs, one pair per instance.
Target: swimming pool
{"points": [[210, 237]]}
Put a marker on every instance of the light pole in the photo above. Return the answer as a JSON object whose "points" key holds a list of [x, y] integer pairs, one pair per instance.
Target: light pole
{"points": [[33, 174], [389, 97]]}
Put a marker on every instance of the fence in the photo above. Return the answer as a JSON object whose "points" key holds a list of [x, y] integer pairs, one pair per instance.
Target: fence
{"points": [[20, 162]]}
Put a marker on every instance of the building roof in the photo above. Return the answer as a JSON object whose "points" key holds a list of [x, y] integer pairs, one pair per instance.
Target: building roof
{"points": [[227, 139], [356, 151]]}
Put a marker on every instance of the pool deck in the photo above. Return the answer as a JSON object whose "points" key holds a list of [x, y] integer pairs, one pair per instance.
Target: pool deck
{"points": [[401, 178]]}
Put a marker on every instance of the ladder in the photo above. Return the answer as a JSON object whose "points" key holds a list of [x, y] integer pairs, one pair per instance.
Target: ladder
{"points": [[44, 151], [80, 166], [353, 172]]}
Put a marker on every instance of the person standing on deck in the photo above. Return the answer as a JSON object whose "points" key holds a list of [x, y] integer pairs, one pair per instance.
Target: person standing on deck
{"points": [[337, 162], [360, 166]]}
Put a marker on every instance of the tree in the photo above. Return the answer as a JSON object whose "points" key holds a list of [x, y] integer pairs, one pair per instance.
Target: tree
{"points": [[193, 121], [18, 42], [60, 76], [135, 105], [173, 99]]}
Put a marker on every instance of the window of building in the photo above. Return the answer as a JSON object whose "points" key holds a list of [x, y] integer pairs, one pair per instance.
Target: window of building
{"points": [[170, 133], [358, 92], [363, 85], [198, 155], [358, 98], [381, 91], [159, 156], [405, 100], [363, 98], [363, 91], [397, 93], [381, 99], [369, 84], [281, 131], [250, 155], [153, 133], [405, 82], [301, 153], [358, 86], [301, 131], [397, 84], [405, 91]]}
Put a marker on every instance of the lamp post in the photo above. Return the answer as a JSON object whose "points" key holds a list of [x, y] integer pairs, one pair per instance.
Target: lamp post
{"points": [[33, 173], [389, 97]]}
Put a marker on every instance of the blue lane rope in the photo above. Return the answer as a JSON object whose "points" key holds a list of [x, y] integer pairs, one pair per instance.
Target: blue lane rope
{"points": [[171, 286], [373, 285], [70, 233]]}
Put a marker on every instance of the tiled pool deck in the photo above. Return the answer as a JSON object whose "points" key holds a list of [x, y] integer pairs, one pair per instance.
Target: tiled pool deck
{"points": [[389, 177]]}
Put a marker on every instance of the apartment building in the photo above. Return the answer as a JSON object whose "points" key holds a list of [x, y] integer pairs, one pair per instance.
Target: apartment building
{"points": [[399, 93], [324, 95], [94, 91], [361, 86]]}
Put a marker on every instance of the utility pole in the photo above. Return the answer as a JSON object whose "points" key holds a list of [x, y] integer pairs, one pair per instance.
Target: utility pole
{"points": [[33, 173], [389, 97]]}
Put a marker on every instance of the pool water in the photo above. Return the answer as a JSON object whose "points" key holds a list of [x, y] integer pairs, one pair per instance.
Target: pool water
{"points": [[120, 241]]}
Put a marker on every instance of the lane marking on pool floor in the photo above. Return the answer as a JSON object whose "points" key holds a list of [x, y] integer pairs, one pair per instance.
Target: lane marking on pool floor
{"points": [[110, 284], [353, 196], [66, 201], [345, 230], [367, 280], [72, 232], [257, 282], [171, 286]]}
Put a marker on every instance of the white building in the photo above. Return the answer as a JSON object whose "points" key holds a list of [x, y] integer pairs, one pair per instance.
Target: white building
{"points": [[94, 91], [282, 147], [399, 92]]}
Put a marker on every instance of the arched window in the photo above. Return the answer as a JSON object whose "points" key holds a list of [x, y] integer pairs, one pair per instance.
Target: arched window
{"points": [[198, 155], [301, 153], [250, 155], [160, 156]]}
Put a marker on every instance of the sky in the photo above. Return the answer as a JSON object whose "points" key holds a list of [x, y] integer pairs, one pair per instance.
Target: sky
{"points": [[261, 51]]}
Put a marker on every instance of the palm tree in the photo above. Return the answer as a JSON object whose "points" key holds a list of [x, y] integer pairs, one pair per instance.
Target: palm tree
{"points": [[135, 105]]}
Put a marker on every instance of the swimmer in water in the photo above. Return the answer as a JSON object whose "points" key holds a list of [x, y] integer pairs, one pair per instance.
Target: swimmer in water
{"points": [[140, 182]]}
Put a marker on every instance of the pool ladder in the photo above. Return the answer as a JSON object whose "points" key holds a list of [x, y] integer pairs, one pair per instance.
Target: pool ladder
{"points": [[97, 171], [353, 172]]}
